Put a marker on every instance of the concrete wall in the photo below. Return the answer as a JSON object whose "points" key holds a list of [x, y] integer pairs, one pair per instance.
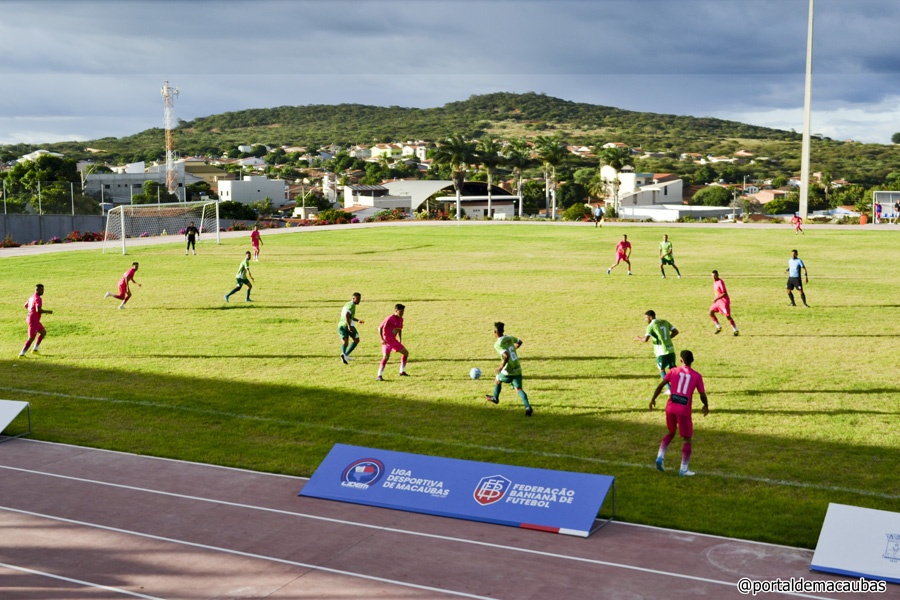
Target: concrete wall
{"points": [[25, 229]]}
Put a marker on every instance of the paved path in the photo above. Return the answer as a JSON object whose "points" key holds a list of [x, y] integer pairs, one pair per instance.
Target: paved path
{"points": [[80, 523]]}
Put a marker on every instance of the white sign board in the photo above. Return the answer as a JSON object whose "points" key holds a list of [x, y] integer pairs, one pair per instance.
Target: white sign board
{"points": [[859, 542]]}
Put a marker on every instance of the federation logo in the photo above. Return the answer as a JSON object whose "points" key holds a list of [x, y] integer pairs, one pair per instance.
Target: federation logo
{"points": [[892, 552], [362, 473], [491, 489]]}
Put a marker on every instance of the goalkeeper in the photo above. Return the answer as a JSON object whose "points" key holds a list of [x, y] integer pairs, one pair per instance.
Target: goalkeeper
{"points": [[190, 235]]}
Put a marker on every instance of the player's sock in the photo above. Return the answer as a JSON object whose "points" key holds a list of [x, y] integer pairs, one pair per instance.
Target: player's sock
{"points": [[803, 299], [664, 445], [497, 388], [402, 365], [524, 398], [351, 348], [685, 456]]}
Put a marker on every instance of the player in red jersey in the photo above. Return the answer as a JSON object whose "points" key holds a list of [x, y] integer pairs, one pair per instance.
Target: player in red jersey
{"points": [[391, 332], [255, 241], [682, 381], [721, 303], [124, 286], [35, 308], [623, 253]]}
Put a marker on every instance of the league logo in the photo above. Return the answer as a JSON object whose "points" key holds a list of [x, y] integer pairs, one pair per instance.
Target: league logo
{"points": [[892, 552], [362, 473], [491, 489]]}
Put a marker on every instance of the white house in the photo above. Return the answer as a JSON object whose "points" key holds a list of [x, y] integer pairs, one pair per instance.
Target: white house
{"points": [[644, 189], [413, 195], [360, 151], [388, 150], [252, 189], [417, 149], [37, 153]]}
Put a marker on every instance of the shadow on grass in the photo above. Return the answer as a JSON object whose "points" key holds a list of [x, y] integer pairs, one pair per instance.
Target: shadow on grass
{"points": [[391, 250], [569, 377], [878, 390], [819, 335], [800, 413], [763, 487]]}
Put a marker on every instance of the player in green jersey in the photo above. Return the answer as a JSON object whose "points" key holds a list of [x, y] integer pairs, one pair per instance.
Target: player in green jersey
{"points": [[510, 369], [666, 257], [242, 278], [346, 329], [661, 332]]}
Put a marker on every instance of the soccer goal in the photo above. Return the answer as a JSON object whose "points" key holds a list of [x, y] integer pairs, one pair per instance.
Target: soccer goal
{"points": [[146, 220]]}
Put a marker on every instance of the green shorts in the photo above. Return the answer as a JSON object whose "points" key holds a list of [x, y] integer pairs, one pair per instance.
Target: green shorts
{"points": [[667, 260], [666, 361], [513, 380], [347, 332], [242, 281]]}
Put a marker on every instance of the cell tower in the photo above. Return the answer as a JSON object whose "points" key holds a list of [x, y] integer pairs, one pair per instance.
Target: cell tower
{"points": [[168, 94]]}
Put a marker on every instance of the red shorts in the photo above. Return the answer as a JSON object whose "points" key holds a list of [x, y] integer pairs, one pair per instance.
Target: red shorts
{"points": [[723, 306], [620, 257], [677, 419], [123, 288], [35, 327], [391, 344]]}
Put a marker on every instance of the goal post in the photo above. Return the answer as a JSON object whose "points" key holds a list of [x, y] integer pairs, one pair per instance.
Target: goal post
{"points": [[147, 220]]}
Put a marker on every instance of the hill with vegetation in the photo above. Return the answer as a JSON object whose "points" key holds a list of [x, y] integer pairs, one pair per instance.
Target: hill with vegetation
{"points": [[504, 116]]}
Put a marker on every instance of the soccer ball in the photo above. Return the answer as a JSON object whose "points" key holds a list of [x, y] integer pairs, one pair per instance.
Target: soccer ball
{"points": [[475, 373]]}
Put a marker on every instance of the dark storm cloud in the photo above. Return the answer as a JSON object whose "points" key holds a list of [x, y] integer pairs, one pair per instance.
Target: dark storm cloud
{"points": [[104, 61]]}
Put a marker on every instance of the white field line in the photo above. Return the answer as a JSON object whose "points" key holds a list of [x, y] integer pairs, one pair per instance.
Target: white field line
{"points": [[589, 459], [394, 530], [78, 582], [243, 554]]}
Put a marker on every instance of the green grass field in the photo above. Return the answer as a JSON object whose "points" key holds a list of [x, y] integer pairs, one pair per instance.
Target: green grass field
{"points": [[804, 404]]}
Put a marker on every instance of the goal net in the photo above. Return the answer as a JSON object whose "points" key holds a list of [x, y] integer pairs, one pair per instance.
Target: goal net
{"points": [[146, 220]]}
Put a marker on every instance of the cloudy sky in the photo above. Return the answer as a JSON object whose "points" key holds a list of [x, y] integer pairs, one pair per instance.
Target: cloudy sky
{"points": [[84, 69]]}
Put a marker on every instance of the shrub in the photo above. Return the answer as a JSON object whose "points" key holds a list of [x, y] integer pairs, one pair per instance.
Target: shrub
{"points": [[333, 217], [395, 214], [86, 236], [576, 212], [236, 210], [8, 242]]}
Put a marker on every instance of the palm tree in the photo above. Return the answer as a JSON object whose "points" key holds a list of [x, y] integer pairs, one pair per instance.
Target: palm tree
{"points": [[617, 158], [552, 153], [457, 153], [517, 156], [489, 155]]}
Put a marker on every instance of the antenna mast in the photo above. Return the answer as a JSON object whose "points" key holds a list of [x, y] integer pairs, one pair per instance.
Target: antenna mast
{"points": [[168, 95]]}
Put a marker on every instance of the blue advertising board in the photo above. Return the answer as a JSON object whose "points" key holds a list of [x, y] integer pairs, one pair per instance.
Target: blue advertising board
{"points": [[555, 501]]}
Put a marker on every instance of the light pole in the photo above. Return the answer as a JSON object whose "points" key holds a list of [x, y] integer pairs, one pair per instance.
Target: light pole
{"points": [[807, 106]]}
